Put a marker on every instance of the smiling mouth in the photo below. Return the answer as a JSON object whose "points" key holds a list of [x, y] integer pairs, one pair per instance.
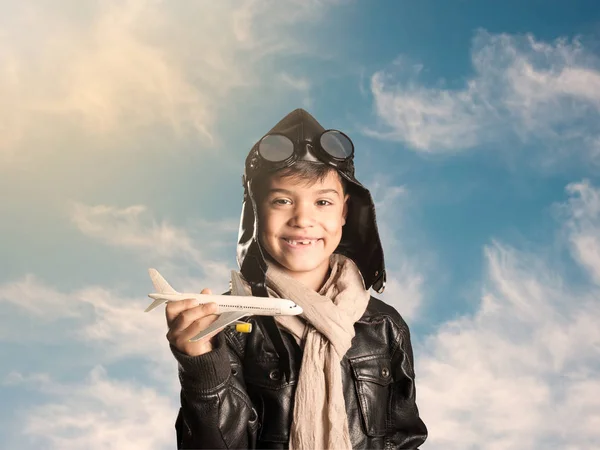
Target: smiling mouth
{"points": [[303, 242]]}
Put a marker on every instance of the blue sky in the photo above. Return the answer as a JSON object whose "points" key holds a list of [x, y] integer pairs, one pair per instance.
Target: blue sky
{"points": [[123, 130]]}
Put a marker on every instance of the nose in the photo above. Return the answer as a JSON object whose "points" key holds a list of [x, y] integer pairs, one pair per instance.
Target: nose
{"points": [[303, 216]]}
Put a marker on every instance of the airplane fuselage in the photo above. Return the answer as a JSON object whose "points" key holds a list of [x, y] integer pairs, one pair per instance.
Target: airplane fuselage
{"points": [[225, 303]]}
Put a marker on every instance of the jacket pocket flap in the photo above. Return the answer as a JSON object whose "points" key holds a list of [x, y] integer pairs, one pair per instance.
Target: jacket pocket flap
{"points": [[374, 368]]}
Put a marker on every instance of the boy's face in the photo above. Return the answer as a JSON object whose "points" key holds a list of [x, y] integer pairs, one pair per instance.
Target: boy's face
{"points": [[300, 225]]}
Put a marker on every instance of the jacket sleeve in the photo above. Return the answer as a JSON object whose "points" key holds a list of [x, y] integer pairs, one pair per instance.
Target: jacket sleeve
{"points": [[407, 429], [215, 411]]}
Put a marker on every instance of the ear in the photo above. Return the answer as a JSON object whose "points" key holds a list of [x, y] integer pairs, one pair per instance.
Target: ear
{"points": [[345, 209]]}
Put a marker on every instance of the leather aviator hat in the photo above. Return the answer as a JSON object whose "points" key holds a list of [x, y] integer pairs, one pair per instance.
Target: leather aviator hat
{"points": [[298, 136]]}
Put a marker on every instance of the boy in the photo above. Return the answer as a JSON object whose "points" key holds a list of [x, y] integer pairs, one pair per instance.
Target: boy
{"points": [[340, 375]]}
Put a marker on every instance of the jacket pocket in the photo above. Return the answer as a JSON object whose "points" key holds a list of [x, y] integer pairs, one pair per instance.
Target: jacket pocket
{"points": [[372, 378]]}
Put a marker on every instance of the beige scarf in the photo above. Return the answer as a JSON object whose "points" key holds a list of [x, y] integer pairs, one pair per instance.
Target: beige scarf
{"points": [[320, 420]]}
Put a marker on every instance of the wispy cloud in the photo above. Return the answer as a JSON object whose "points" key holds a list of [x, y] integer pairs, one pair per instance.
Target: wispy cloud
{"points": [[523, 370], [115, 69], [297, 83], [175, 248], [107, 74], [105, 320], [405, 277], [112, 322], [522, 89], [133, 228], [264, 25], [107, 316], [584, 226], [119, 329], [100, 327], [40, 301], [28, 298], [404, 288], [98, 413]]}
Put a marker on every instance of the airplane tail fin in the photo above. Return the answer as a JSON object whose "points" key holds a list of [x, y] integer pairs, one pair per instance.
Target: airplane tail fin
{"points": [[160, 284]]}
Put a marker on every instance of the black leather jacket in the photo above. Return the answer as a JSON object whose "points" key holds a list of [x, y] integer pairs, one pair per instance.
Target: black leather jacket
{"points": [[235, 396]]}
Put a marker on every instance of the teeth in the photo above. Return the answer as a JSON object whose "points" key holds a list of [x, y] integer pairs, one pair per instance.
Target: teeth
{"points": [[308, 242]]}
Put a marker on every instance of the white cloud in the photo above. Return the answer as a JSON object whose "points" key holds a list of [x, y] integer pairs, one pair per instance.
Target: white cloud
{"points": [[522, 371], [132, 227], [521, 89], [100, 413], [297, 83], [41, 380], [116, 69], [253, 19], [300, 84], [119, 323], [119, 330], [95, 326], [429, 120], [38, 300], [109, 74], [94, 314], [404, 289], [104, 320], [100, 323], [174, 249], [389, 205], [404, 285], [584, 226]]}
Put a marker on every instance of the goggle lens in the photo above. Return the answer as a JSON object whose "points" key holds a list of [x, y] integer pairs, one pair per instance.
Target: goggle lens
{"points": [[337, 144], [275, 148]]}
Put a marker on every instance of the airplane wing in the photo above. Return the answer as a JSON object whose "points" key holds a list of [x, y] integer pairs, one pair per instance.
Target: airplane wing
{"points": [[224, 319], [237, 284]]}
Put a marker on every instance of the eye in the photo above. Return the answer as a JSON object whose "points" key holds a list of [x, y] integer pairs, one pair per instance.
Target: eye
{"points": [[324, 202], [281, 201]]}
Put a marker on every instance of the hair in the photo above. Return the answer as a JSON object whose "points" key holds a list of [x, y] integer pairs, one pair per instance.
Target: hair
{"points": [[305, 171]]}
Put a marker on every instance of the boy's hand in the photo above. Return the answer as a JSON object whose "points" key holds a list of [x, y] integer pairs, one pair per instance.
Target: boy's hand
{"points": [[185, 320]]}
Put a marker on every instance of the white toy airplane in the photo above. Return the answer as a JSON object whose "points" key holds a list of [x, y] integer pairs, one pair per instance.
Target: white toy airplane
{"points": [[231, 308]]}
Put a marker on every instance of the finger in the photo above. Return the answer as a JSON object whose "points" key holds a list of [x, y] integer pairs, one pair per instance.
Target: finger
{"points": [[185, 318], [182, 337], [188, 317], [174, 308], [196, 328]]}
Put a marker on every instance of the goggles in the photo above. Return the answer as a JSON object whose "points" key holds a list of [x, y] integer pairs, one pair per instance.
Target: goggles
{"points": [[276, 151]]}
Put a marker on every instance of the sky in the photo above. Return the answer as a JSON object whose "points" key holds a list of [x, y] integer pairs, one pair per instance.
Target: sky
{"points": [[123, 130]]}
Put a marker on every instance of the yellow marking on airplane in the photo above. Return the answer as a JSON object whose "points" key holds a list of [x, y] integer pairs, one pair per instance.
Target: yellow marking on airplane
{"points": [[243, 327]]}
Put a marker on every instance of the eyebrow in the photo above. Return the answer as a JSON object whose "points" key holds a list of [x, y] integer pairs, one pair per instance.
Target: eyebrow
{"points": [[286, 192]]}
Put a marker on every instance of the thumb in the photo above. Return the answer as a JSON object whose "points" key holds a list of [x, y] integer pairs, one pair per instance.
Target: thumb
{"points": [[206, 291]]}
